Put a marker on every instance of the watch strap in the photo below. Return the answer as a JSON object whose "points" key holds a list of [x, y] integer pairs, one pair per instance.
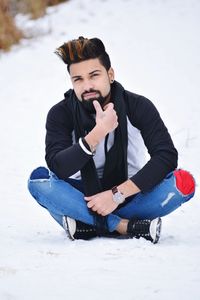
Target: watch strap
{"points": [[114, 189]]}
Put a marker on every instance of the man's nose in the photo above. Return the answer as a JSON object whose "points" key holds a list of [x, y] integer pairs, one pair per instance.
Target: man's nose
{"points": [[88, 85]]}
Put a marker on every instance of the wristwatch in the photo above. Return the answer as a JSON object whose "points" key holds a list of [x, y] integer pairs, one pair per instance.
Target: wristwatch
{"points": [[118, 197]]}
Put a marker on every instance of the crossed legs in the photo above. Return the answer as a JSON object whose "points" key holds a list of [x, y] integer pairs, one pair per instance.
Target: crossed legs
{"points": [[66, 198]]}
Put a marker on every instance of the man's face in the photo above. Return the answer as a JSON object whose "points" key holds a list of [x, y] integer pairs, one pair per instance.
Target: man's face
{"points": [[91, 81]]}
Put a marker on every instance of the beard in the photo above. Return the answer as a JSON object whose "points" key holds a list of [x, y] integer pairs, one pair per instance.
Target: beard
{"points": [[88, 104]]}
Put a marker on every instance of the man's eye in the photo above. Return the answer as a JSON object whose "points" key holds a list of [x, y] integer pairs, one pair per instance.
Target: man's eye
{"points": [[77, 79], [95, 75]]}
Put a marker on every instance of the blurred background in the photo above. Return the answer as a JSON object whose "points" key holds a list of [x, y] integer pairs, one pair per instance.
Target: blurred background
{"points": [[9, 32]]}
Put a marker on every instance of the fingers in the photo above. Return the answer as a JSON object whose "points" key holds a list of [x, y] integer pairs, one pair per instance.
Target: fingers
{"points": [[98, 208], [101, 203], [93, 204], [104, 213], [97, 107], [88, 198], [90, 204], [100, 211], [109, 106]]}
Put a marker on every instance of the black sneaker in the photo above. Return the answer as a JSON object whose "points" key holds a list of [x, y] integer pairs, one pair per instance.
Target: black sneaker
{"points": [[78, 230], [148, 229]]}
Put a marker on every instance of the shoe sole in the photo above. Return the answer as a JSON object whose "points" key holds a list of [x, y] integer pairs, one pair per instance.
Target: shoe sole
{"points": [[69, 225], [155, 229]]}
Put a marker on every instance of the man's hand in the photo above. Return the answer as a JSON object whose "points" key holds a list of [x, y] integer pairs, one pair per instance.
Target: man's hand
{"points": [[102, 203], [106, 122], [106, 119]]}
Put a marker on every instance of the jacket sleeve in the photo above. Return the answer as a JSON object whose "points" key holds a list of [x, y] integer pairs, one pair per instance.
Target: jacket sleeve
{"points": [[62, 156], [163, 155]]}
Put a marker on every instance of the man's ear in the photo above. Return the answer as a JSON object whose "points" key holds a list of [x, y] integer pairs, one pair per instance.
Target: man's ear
{"points": [[111, 75]]}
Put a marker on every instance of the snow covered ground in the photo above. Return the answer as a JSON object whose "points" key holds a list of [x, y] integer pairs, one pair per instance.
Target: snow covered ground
{"points": [[154, 47]]}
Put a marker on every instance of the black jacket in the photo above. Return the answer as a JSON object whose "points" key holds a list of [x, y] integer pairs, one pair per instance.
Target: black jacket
{"points": [[64, 157]]}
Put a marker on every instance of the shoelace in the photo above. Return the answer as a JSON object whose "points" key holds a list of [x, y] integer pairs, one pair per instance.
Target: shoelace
{"points": [[141, 228]]}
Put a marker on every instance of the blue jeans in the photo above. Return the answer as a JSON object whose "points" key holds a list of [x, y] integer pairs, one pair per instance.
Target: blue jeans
{"points": [[61, 197]]}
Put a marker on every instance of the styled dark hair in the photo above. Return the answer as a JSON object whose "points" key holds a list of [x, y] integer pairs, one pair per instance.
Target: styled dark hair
{"points": [[81, 49]]}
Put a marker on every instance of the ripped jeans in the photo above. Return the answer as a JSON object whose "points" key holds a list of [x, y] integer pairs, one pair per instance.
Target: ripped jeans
{"points": [[61, 197]]}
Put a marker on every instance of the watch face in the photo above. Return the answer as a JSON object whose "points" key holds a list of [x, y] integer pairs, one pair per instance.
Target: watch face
{"points": [[118, 197]]}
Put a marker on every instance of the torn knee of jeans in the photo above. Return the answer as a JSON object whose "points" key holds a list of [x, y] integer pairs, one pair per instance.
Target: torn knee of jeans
{"points": [[185, 182], [167, 199], [40, 174]]}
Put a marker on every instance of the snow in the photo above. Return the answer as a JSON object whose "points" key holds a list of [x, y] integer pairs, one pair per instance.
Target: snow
{"points": [[154, 48]]}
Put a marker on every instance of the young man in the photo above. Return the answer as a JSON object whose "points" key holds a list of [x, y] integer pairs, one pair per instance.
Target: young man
{"points": [[98, 183]]}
